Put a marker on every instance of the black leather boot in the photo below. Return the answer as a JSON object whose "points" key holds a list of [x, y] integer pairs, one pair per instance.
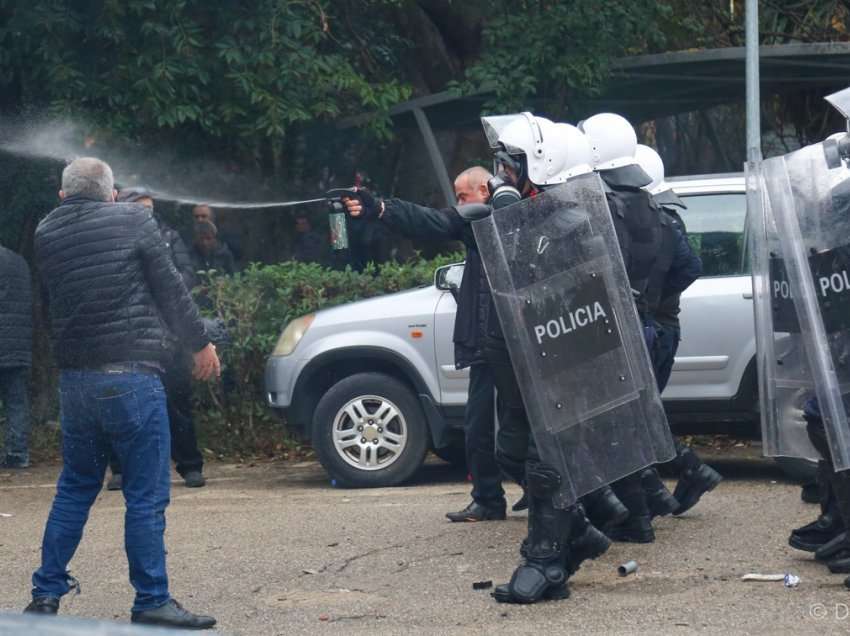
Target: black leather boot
{"points": [[693, 484], [661, 502], [837, 551], [604, 508], [826, 527], [638, 527], [543, 575], [586, 541]]}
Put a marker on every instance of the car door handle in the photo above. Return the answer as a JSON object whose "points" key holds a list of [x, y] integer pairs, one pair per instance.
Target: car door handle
{"points": [[748, 295]]}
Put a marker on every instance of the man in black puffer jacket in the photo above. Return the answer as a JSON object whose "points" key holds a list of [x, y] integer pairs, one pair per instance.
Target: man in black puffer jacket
{"points": [[114, 298], [15, 355]]}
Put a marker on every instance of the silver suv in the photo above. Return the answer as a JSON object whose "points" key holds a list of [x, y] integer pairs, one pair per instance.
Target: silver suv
{"points": [[374, 385]]}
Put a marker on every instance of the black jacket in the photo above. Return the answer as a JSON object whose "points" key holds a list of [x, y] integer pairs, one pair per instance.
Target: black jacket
{"points": [[473, 300], [111, 288], [179, 253], [639, 224], [685, 268], [15, 311], [221, 260]]}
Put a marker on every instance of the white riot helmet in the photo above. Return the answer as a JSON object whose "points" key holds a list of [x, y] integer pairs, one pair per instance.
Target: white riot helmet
{"points": [[612, 140], [536, 148], [578, 157], [653, 166]]}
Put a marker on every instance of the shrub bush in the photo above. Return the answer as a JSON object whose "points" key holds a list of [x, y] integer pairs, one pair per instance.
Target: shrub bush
{"points": [[256, 304]]}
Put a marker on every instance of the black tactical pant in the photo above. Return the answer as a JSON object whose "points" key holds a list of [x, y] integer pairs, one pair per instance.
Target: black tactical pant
{"points": [[514, 441], [480, 436], [177, 382], [839, 482]]}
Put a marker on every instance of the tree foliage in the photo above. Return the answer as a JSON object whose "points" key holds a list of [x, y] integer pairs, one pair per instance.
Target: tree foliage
{"points": [[245, 69], [558, 49]]}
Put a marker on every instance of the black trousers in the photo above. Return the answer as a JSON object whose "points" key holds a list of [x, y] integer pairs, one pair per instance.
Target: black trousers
{"points": [[839, 482], [177, 381], [480, 435], [514, 441]]}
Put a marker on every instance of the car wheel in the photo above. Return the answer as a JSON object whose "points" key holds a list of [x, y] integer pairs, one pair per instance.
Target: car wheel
{"points": [[369, 431]]}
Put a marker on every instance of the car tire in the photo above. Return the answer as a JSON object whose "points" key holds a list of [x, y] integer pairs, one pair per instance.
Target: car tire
{"points": [[369, 431]]}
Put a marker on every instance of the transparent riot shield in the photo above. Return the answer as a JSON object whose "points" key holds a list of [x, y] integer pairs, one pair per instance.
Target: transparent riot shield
{"points": [[808, 205], [573, 334], [785, 379]]}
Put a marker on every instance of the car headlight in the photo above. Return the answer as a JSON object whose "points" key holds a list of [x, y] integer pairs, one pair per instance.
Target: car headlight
{"points": [[292, 335]]}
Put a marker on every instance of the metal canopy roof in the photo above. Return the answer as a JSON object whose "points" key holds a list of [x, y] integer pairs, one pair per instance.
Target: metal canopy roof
{"points": [[650, 86]]}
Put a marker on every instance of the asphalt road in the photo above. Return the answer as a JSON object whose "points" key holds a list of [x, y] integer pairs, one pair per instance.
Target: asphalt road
{"points": [[273, 549]]}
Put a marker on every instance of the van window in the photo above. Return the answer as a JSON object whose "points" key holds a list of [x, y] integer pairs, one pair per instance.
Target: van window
{"points": [[715, 225]]}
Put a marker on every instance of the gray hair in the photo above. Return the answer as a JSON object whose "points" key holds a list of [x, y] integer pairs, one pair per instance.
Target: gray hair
{"points": [[88, 177]]}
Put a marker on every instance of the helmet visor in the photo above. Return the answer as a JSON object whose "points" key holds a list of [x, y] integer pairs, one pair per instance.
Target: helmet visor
{"points": [[495, 124]]}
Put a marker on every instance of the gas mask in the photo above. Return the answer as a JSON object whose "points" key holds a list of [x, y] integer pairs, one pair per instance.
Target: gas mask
{"points": [[502, 193]]}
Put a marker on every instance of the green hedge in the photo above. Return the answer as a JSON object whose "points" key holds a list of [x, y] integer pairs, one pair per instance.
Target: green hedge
{"points": [[257, 304]]}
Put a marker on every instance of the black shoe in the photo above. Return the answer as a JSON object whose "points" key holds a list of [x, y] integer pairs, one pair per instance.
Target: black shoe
{"points": [[817, 533], [521, 504], [660, 501], [115, 482], [194, 479], [476, 512], [636, 529], [693, 484], [603, 508], [810, 493], [43, 605], [836, 548], [172, 614]]}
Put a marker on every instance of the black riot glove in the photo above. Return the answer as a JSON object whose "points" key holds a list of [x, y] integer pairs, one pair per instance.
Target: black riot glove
{"points": [[371, 205]]}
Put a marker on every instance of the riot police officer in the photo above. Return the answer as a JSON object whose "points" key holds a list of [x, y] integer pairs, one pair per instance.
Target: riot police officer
{"points": [[695, 477]]}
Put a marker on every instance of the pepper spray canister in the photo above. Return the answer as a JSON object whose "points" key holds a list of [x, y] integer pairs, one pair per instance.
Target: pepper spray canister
{"points": [[338, 225]]}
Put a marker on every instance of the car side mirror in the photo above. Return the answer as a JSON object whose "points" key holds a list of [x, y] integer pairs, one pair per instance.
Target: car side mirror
{"points": [[448, 277]]}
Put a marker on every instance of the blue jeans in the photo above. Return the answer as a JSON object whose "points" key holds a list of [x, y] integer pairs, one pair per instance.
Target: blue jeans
{"points": [[15, 397], [124, 413]]}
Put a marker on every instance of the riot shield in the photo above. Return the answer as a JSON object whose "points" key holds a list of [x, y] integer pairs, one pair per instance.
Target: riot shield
{"points": [[575, 341], [785, 380], [806, 217]]}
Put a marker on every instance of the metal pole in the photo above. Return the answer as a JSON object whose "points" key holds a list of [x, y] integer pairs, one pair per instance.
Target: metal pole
{"points": [[753, 92], [436, 157]]}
